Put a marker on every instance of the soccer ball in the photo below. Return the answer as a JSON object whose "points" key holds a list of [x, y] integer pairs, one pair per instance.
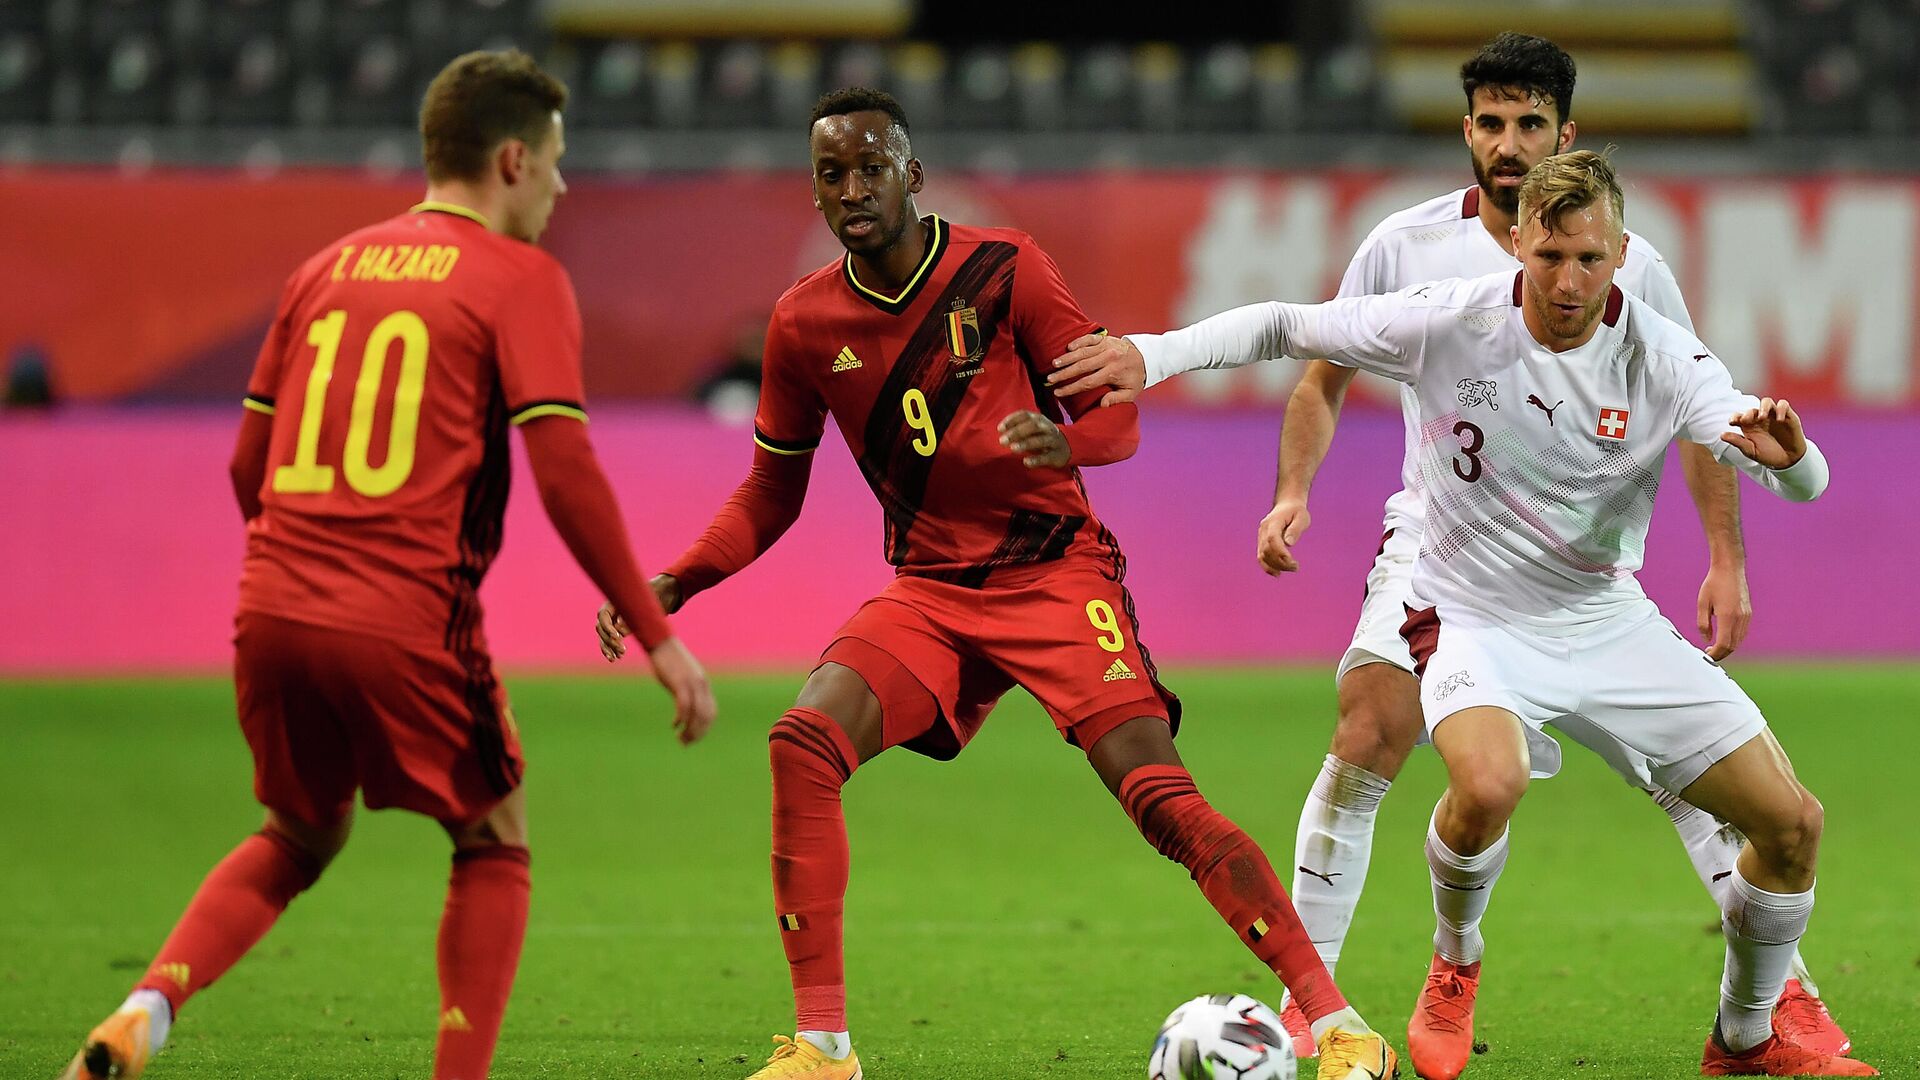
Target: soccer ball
{"points": [[1222, 1037]]}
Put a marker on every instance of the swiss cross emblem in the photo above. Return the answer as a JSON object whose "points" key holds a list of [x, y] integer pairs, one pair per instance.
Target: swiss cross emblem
{"points": [[1613, 424]]}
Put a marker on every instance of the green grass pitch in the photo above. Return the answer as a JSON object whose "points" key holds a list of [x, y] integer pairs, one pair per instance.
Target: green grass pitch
{"points": [[1005, 921]]}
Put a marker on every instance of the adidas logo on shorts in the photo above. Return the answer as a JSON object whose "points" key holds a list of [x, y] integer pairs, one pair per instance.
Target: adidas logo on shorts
{"points": [[1118, 671]]}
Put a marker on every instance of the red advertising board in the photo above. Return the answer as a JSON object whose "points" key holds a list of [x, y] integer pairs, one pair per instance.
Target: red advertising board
{"points": [[160, 285]]}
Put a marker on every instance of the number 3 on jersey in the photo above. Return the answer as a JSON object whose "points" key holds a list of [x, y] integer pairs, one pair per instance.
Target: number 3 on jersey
{"points": [[306, 475]]}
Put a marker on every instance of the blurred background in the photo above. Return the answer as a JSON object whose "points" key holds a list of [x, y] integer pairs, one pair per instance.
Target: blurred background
{"points": [[164, 164]]}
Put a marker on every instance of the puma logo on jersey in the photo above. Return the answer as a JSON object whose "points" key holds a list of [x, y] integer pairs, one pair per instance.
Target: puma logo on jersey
{"points": [[1119, 670], [1328, 878], [1702, 356], [846, 361], [1479, 392], [1534, 400], [1421, 291]]}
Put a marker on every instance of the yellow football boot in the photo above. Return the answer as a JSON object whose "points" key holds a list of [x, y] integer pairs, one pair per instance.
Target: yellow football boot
{"points": [[1356, 1055], [798, 1059]]}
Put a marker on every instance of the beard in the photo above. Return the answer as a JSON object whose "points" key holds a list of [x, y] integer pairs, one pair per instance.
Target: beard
{"points": [[1507, 199], [1561, 325]]}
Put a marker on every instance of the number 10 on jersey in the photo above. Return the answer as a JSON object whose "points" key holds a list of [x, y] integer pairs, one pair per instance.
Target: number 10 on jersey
{"points": [[306, 476]]}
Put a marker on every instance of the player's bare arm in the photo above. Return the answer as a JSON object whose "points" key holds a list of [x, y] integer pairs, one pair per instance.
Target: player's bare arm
{"points": [[1096, 361], [1725, 608], [1313, 411]]}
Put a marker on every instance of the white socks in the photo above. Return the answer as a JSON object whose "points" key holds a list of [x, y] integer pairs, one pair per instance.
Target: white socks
{"points": [[1761, 930], [1462, 884], [835, 1044], [1331, 852], [1714, 846], [159, 1015], [1346, 1019]]}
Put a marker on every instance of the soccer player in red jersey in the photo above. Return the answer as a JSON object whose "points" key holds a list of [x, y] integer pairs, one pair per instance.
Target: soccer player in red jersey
{"points": [[372, 469], [924, 344]]}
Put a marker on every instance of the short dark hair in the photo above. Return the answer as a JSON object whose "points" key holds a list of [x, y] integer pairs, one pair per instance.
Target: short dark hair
{"points": [[1523, 62], [477, 102], [853, 99]]}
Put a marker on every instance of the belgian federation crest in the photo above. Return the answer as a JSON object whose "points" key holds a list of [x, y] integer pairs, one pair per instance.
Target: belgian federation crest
{"points": [[963, 334]]}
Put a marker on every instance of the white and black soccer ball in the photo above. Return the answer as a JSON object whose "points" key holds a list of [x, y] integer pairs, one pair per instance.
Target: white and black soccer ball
{"points": [[1222, 1037]]}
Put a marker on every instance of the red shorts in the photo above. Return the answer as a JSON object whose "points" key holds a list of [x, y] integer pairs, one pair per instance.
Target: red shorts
{"points": [[939, 655], [327, 712]]}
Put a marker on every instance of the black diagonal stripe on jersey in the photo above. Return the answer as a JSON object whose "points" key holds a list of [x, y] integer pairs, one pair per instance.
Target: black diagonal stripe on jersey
{"points": [[893, 468], [1031, 537]]}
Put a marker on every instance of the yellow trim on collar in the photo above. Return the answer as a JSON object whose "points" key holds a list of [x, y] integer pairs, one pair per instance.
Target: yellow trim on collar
{"points": [[452, 208], [926, 263]]}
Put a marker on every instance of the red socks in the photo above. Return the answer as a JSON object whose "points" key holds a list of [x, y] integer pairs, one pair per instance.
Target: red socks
{"points": [[812, 759], [236, 905], [1236, 878], [480, 936]]}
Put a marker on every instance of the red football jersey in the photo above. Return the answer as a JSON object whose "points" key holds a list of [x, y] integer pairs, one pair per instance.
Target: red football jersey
{"points": [[399, 356], [919, 383]]}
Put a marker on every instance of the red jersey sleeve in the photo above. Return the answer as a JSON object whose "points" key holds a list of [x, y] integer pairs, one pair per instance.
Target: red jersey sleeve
{"points": [[537, 338], [263, 387], [1045, 314], [792, 414]]}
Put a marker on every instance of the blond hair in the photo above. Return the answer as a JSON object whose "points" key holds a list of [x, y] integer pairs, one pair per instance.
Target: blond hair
{"points": [[1567, 182]]}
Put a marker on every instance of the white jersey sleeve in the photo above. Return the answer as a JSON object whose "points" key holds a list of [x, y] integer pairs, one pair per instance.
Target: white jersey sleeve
{"points": [[1705, 413], [1648, 277], [1370, 271], [1366, 332]]}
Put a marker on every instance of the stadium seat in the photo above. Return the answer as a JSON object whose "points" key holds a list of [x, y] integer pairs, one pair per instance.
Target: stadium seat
{"points": [[981, 96], [919, 73], [1100, 90], [1039, 87], [793, 83], [676, 85], [246, 63], [1220, 89], [608, 84], [1157, 71], [735, 94], [26, 79]]}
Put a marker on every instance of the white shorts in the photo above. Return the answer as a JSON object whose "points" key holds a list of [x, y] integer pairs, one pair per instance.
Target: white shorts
{"points": [[1630, 689], [1377, 640]]}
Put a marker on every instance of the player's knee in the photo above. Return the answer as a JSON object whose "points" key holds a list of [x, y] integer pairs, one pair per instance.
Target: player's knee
{"points": [[806, 743], [1487, 793], [841, 694], [503, 826], [1790, 837], [1379, 719], [320, 840]]}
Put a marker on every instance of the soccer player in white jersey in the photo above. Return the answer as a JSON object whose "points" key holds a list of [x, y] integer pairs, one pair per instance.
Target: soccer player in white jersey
{"points": [[1519, 92], [1525, 610]]}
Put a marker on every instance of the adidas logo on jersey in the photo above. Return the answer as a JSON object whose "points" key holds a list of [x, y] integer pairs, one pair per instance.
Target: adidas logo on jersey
{"points": [[1118, 671], [455, 1019], [846, 361], [181, 974]]}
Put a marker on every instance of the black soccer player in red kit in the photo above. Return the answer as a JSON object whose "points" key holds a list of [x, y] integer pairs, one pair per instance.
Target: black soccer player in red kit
{"points": [[925, 344], [372, 469]]}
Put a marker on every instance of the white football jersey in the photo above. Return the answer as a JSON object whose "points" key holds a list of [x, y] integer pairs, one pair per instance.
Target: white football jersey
{"points": [[1539, 468], [1444, 238]]}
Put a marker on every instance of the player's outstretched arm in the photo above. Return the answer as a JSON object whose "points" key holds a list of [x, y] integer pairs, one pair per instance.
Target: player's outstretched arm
{"points": [[1306, 434], [1770, 436], [1099, 362], [1097, 436], [248, 469], [1725, 607], [761, 510], [580, 503]]}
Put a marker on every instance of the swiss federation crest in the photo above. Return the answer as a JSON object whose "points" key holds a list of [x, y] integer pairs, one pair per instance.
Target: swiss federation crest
{"points": [[963, 333], [1479, 392], [1612, 425]]}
